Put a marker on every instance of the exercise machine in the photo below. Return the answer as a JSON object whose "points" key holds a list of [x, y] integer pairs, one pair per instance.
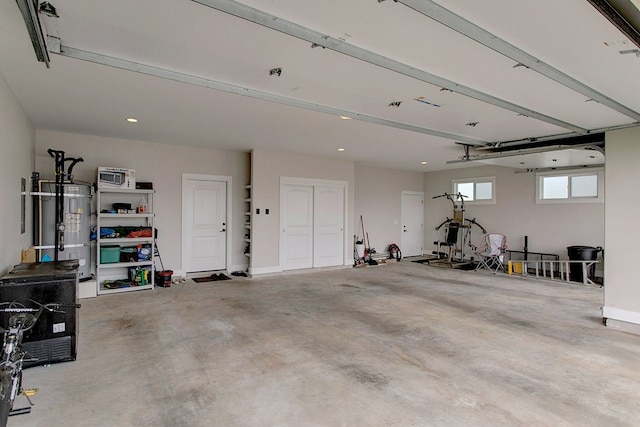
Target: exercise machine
{"points": [[457, 233]]}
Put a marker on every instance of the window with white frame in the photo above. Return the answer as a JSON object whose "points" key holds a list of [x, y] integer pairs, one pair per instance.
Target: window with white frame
{"points": [[477, 190], [570, 187]]}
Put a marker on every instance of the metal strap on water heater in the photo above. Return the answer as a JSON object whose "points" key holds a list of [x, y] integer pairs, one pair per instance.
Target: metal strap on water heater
{"points": [[75, 245], [38, 193]]}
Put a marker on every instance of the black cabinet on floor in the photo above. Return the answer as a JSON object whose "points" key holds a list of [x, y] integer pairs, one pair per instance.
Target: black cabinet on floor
{"points": [[54, 338]]}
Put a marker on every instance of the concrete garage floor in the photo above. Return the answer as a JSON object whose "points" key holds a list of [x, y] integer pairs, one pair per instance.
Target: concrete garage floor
{"points": [[396, 345]]}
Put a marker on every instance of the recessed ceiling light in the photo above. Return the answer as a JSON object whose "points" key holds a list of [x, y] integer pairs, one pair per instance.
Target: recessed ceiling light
{"points": [[340, 149], [423, 163], [345, 118], [132, 120]]}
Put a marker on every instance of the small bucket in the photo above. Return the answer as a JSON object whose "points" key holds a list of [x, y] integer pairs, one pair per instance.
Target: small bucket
{"points": [[163, 278]]}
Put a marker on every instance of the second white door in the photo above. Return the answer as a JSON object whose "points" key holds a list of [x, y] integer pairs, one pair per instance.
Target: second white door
{"points": [[328, 226], [412, 223], [297, 220], [312, 226]]}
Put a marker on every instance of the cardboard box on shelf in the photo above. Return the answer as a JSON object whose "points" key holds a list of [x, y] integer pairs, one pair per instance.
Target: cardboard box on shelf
{"points": [[29, 255]]}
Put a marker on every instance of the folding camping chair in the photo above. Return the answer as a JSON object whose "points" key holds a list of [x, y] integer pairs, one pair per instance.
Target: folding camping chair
{"points": [[492, 253]]}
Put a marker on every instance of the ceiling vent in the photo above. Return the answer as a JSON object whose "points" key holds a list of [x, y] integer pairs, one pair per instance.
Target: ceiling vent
{"points": [[423, 100]]}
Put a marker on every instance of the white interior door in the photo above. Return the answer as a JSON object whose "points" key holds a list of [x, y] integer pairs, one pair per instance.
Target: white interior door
{"points": [[412, 223], [297, 223], [205, 225], [328, 235]]}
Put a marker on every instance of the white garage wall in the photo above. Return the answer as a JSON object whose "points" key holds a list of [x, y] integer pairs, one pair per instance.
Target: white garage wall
{"points": [[622, 288], [267, 166], [374, 193], [379, 201], [163, 165], [550, 227], [17, 141]]}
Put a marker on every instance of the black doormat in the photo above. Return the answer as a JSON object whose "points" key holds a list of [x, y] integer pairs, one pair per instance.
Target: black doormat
{"points": [[212, 278], [466, 266]]}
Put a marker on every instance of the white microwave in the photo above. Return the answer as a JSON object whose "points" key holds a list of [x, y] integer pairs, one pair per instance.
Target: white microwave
{"points": [[116, 178]]}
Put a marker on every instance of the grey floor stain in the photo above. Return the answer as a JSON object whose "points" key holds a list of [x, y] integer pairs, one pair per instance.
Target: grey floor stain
{"points": [[364, 375]]}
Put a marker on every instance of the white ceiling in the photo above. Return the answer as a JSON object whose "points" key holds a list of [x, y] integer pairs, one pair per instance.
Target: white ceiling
{"points": [[298, 110]]}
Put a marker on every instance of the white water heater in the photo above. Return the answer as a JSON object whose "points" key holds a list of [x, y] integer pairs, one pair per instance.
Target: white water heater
{"points": [[77, 222]]}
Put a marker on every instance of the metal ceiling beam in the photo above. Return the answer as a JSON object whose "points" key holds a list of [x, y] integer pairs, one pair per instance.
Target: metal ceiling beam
{"points": [[275, 23], [595, 136], [621, 14], [457, 23], [30, 16], [558, 169], [592, 138], [137, 67], [524, 151]]}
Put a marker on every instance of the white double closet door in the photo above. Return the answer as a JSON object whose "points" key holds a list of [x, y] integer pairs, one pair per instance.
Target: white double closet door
{"points": [[312, 225]]}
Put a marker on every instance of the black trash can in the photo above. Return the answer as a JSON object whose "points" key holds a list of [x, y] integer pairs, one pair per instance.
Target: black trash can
{"points": [[582, 253]]}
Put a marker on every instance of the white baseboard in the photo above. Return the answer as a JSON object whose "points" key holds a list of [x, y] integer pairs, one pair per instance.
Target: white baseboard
{"points": [[178, 273], [272, 271], [87, 289], [612, 313], [619, 325], [241, 267], [264, 270]]}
